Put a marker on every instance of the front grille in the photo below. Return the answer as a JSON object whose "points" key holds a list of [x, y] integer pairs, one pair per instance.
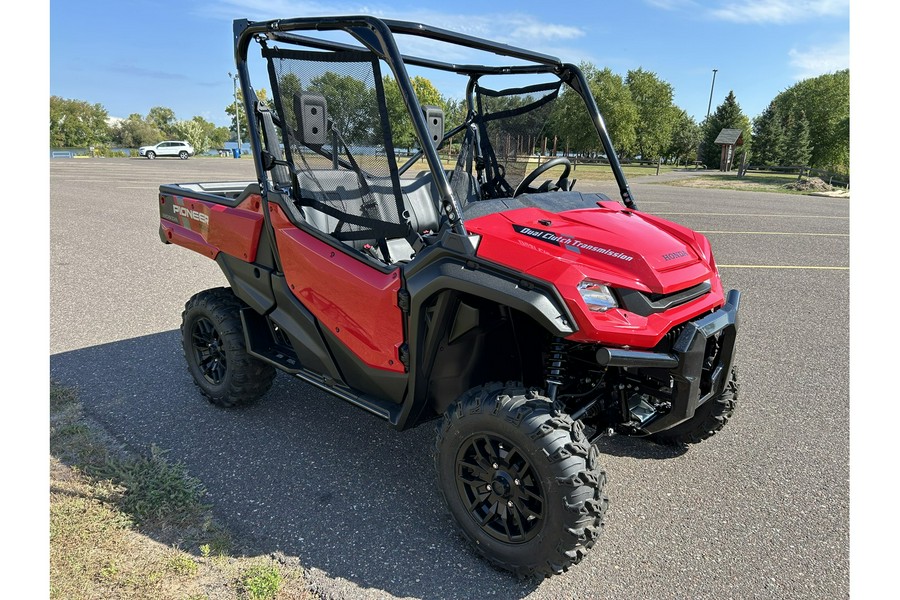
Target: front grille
{"points": [[648, 304], [668, 341]]}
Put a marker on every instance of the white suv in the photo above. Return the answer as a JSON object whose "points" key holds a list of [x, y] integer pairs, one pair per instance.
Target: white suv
{"points": [[180, 149]]}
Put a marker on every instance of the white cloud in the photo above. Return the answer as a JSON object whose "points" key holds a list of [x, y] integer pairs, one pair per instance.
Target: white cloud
{"points": [[816, 60], [779, 11], [512, 28], [672, 4]]}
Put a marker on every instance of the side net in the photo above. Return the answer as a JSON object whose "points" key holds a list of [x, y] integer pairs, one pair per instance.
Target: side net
{"points": [[336, 137]]}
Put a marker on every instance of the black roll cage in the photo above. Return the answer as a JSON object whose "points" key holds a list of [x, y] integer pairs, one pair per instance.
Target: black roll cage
{"points": [[377, 35]]}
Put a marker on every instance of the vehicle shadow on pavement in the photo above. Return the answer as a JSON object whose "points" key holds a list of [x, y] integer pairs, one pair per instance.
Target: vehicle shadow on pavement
{"points": [[300, 473], [620, 445]]}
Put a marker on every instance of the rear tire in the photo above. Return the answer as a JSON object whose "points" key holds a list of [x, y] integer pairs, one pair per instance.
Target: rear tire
{"points": [[183, 155], [151, 155], [520, 479], [213, 342], [707, 420]]}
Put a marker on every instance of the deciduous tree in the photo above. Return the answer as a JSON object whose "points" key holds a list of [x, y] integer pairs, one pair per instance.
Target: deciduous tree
{"points": [[685, 138], [572, 121], [262, 94], [77, 124], [656, 114], [136, 131]]}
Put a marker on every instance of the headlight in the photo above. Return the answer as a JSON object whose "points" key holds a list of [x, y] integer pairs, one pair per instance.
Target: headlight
{"points": [[597, 296]]}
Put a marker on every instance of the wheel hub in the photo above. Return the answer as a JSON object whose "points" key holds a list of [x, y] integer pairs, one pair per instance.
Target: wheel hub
{"points": [[502, 485]]}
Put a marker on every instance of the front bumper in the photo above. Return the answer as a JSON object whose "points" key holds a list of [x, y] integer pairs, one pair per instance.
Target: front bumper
{"points": [[699, 364]]}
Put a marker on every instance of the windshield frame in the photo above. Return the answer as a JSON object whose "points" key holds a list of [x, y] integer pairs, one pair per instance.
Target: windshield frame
{"points": [[377, 36]]}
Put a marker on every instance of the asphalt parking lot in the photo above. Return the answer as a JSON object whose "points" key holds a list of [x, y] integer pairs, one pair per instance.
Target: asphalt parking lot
{"points": [[761, 510]]}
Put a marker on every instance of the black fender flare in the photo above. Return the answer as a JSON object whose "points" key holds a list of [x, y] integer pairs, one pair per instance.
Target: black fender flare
{"points": [[449, 272]]}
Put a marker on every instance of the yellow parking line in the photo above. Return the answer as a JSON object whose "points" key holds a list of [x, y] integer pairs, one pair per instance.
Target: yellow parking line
{"points": [[778, 233], [708, 214], [784, 267]]}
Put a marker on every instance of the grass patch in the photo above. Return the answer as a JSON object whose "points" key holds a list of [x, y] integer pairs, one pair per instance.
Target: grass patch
{"points": [[261, 582], [127, 526], [751, 182]]}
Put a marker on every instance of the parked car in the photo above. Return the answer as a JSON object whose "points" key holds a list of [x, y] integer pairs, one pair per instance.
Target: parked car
{"points": [[169, 148]]}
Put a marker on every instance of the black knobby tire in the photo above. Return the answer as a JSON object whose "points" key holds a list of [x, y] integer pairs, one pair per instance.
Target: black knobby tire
{"points": [[520, 479], [709, 418], [213, 342]]}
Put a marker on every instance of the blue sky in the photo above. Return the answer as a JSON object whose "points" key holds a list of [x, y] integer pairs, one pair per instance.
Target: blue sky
{"points": [[131, 56]]}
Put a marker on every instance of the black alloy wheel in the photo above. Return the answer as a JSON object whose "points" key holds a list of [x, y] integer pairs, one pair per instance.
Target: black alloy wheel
{"points": [[212, 337], [209, 351], [522, 483], [501, 488]]}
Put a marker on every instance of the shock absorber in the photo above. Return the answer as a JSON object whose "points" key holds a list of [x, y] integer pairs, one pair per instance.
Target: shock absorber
{"points": [[556, 367]]}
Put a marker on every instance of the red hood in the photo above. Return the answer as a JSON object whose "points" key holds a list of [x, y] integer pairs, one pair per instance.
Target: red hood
{"points": [[615, 245]]}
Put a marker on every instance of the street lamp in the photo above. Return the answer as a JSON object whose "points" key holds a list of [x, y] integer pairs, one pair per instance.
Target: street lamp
{"points": [[711, 88], [237, 115]]}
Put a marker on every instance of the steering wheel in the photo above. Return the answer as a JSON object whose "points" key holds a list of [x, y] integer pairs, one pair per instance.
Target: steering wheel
{"points": [[523, 187]]}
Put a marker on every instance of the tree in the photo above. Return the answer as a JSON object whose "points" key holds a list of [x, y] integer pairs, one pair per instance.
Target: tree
{"points": [[797, 148], [351, 106], [573, 123], [261, 94], [728, 115], [619, 110], [656, 114], [825, 102], [402, 131], [163, 118], [685, 138], [135, 131], [768, 137], [194, 133], [77, 124]]}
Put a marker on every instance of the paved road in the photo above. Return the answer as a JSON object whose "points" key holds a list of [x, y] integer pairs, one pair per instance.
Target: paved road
{"points": [[759, 511]]}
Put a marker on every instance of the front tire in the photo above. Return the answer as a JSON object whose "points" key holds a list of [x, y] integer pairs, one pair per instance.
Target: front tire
{"points": [[151, 154], [520, 480], [213, 342]]}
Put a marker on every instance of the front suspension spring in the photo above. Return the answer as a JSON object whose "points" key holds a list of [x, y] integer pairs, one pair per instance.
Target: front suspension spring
{"points": [[556, 367]]}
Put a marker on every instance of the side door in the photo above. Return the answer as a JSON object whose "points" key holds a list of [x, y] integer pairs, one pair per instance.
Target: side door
{"points": [[165, 149], [355, 302]]}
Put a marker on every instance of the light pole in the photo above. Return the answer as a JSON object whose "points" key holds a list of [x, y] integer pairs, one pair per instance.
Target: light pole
{"points": [[237, 115], [711, 88]]}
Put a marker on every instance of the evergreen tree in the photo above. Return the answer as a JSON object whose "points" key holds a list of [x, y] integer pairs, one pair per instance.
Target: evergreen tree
{"points": [[728, 115], [768, 137], [825, 100], [797, 151]]}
